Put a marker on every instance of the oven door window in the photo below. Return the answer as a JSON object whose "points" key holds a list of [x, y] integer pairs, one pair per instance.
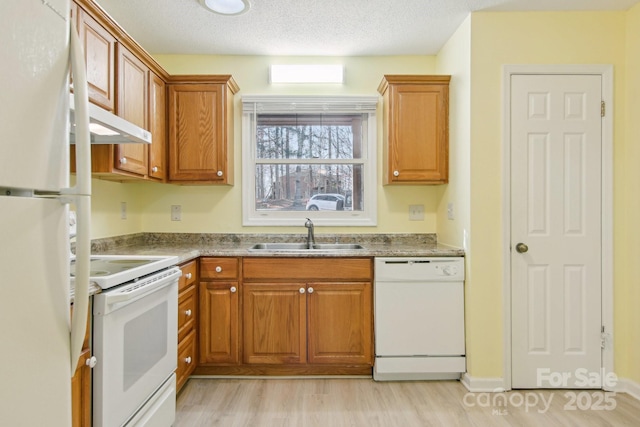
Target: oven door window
{"points": [[145, 343]]}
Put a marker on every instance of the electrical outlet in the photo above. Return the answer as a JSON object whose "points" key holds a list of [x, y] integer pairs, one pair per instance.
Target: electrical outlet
{"points": [[123, 210], [416, 212], [450, 211], [176, 213]]}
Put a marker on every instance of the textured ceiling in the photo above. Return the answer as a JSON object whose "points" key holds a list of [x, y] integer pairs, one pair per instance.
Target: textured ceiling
{"points": [[314, 27]]}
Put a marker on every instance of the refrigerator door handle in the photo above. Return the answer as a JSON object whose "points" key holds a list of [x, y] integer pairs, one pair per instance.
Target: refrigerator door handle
{"points": [[81, 195]]}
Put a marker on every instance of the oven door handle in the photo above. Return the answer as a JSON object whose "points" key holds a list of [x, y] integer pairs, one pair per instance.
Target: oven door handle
{"points": [[148, 286]]}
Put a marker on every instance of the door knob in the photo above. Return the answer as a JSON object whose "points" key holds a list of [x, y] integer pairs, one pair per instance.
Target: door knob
{"points": [[522, 248]]}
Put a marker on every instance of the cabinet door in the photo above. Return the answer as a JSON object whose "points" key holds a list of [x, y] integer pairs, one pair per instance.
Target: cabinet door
{"points": [[99, 50], [219, 323], [158, 127], [81, 392], [340, 323], [416, 127], [274, 323], [132, 106], [197, 133]]}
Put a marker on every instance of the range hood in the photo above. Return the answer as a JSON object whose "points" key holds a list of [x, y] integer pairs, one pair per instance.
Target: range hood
{"points": [[107, 128]]}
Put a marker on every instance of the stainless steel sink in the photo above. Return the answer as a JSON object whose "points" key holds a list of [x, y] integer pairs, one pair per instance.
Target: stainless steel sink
{"points": [[303, 247]]}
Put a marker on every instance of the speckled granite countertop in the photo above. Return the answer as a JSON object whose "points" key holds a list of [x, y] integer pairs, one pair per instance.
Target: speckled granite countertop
{"points": [[188, 246]]}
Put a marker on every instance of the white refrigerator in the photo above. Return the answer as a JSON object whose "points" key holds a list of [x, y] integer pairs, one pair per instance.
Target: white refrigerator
{"points": [[39, 342]]}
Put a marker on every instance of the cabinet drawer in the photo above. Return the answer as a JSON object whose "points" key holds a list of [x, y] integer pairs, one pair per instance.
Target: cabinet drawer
{"points": [[186, 312], [186, 359], [307, 269], [189, 275], [219, 268]]}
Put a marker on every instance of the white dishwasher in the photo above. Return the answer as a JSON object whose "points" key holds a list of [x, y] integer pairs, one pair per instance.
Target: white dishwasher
{"points": [[419, 318]]}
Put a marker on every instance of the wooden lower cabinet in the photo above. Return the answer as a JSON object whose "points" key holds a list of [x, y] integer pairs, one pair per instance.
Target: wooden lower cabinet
{"points": [[339, 323], [81, 382], [186, 359], [275, 326], [285, 316], [81, 392], [187, 328], [219, 319]]}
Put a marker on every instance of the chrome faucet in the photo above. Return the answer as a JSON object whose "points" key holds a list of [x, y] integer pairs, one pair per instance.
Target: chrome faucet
{"points": [[311, 238]]}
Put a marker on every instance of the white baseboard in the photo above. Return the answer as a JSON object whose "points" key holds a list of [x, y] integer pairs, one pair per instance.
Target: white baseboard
{"points": [[628, 386], [480, 385]]}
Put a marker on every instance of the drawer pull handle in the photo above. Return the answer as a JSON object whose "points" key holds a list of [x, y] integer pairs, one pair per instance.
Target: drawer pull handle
{"points": [[218, 269], [219, 173], [302, 290], [154, 169], [91, 362], [233, 289], [310, 290], [123, 161], [187, 313], [187, 360], [396, 173], [188, 276]]}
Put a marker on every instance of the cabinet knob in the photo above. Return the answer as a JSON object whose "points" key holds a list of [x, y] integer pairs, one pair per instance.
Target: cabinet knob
{"points": [[396, 173], [218, 269], [123, 161], [154, 169], [310, 290], [187, 360], [187, 313], [219, 173], [91, 362], [302, 290], [233, 289], [188, 276]]}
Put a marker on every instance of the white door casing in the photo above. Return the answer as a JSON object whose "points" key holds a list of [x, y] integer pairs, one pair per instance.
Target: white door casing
{"points": [[556, 198]]}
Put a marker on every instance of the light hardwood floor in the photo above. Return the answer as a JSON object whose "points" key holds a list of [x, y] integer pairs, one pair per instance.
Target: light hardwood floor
{"points": [[363, 402]]}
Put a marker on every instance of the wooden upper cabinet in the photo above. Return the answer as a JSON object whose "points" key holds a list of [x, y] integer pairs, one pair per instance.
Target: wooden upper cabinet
{"points": [[133, 84], [99, 50], [416, 129], [157, 127], [201, 129]]}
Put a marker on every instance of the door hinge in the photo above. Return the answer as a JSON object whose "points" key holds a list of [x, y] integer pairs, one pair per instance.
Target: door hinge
{"points": [[602, 108], [604, 337]]}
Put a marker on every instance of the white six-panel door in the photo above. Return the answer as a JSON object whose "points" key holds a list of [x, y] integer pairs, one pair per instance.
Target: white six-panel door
{"points": [[556, 230]]}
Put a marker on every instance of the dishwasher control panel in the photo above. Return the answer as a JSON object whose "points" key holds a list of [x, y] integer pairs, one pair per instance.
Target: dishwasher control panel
{"points": [[419, 269]]}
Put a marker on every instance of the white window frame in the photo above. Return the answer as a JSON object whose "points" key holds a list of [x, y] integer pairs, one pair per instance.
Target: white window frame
{"points": [[255, 104]]}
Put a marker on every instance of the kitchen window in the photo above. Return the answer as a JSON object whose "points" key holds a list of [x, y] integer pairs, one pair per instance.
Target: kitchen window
{"points": [[307, 156]]}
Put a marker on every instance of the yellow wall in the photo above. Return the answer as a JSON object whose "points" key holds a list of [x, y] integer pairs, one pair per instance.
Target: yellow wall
{"points": [[211, 209], [499, 38], [455, 59], [627, 291]]}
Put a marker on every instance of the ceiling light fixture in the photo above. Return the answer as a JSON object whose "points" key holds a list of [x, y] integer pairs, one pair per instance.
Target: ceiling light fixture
{"points": [[226, 7], [317, 73]]}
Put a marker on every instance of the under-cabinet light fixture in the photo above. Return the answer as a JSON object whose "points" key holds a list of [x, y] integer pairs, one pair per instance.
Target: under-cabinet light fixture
{"points": [[317, 73], [226, 7]]}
